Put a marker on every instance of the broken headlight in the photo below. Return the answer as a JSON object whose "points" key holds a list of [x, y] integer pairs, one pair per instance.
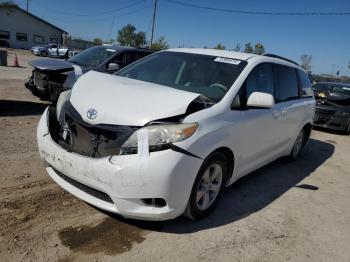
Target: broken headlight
{"points": [[64, 96], [159, 136]]}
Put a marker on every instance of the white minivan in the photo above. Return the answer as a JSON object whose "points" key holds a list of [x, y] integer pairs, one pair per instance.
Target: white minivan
{"points": [[166, 134]]}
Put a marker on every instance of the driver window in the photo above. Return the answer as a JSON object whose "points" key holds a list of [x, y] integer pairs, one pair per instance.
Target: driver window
{"points": [[125, 58], [259, 80]]}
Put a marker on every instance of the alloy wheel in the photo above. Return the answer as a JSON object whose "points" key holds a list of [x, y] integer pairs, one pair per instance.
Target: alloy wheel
{"points": [[209, 186]]}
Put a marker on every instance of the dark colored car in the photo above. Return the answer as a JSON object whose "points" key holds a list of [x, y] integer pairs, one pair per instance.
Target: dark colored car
{"points": [[332, 106], [52, 76]]}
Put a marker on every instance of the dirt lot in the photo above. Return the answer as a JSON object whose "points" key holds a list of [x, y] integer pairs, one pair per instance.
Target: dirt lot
{"points": [[283, 212]]}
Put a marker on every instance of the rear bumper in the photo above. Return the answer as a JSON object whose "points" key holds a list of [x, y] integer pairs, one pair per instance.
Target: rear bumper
{"points": [[124, 179]]}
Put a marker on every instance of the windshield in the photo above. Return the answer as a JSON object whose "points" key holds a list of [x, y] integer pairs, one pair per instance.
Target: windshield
{"points": [[92, 56], [340, 89], [210, 76]]}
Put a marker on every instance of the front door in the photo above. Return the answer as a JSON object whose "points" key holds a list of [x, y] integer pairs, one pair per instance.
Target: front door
{"points": [[256, 131]]}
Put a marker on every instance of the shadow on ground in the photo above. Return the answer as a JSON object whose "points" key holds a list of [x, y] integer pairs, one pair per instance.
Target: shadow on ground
{"points": [[330, 131], [251, 193], [21, 108]]}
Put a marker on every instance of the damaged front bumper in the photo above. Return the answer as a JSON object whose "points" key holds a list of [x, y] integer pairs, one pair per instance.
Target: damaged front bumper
{"points": [[331, 119], [155, 187]]}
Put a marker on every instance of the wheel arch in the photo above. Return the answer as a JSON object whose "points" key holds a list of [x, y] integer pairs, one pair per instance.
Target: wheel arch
{"points": [[230, 160], [307, 128]]}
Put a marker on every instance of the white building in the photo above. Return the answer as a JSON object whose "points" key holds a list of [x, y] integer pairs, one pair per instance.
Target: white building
{"points": [[20, 29]]}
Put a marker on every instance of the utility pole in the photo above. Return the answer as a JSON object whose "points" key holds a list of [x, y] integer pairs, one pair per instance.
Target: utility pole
{"points": [[27, 6], [153, 19]]}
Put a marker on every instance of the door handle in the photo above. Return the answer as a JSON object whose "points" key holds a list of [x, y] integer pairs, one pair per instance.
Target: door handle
{"points": [[276, 114]]}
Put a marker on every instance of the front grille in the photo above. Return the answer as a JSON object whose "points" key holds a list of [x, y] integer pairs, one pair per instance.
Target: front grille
{"points": [[40, 79], [89, 190], [77, 136]]}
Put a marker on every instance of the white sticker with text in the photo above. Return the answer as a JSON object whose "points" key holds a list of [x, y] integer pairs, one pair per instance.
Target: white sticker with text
{"points": [[227, 60]]}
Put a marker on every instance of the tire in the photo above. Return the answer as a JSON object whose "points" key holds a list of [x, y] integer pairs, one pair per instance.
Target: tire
{"points": [[43, 53], [298, 146], [206, 193]]}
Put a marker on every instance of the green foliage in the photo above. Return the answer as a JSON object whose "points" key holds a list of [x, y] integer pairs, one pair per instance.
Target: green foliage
{"points": [[160, 44], [237, 48], [8, 4], [306, 62], [127, 36], [248, 48], [219, 46], [97, 41], [259, 49]]}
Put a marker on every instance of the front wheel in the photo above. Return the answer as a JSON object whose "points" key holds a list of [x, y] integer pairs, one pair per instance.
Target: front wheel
{"points": [[298, 145], [43, 53], [208, 186]]}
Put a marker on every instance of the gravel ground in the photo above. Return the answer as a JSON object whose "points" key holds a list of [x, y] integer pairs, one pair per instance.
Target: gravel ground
{"points": [[283, 212]]}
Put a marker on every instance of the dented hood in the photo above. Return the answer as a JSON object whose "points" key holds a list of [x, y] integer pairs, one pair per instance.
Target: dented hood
{"points": [[51, 64], [122, 101]]}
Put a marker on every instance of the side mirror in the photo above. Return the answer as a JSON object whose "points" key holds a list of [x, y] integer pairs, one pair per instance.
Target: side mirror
{"points": [[113, 67], [260, 100]]}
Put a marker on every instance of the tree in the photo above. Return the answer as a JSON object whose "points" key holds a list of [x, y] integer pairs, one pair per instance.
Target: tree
{"points": [[349, 65], [237, 48], [219, 46], [160, 44], [248, 48], [306, 62], [128, 36], [8, 4], [259, 49], [97, 41]]}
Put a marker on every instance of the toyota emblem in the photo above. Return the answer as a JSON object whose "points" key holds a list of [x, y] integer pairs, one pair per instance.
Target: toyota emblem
{"points": [[91, 114]]}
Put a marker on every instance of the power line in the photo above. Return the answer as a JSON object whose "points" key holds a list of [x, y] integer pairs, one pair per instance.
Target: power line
{"points": [[102, 12], [246, 12], [109, 18]]}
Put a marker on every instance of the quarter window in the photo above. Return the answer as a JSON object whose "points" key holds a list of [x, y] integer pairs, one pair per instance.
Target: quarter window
{"points": [[38, 39], [306, 87], [22, 37], [287, 83], [4, 34]]}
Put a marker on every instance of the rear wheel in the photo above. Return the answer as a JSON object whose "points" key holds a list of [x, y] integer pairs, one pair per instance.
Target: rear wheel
{"points": [[43, 53], [298, 145], [208, 186]]}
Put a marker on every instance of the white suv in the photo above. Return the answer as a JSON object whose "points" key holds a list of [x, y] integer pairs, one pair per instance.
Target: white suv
{"points": [[166, 134]]}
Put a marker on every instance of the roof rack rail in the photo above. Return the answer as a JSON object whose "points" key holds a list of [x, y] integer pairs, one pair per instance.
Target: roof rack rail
{"points": [[281, 57]]}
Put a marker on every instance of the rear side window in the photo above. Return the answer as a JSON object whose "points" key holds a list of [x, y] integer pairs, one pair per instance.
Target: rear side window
{"points": [[306, 86], [287, 83]]}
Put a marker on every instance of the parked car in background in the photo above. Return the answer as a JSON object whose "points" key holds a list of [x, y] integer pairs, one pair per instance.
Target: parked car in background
{"points": [[332, 106], [51, 76], [72, 53], [52, 50], [166, 134]]}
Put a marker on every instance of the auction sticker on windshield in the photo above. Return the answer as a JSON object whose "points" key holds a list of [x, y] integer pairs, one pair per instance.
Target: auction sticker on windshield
{"points": [[227, 60]]}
